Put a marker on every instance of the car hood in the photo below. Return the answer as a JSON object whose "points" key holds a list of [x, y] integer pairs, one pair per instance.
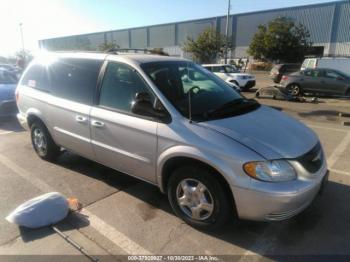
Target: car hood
{"points": [[7, 92], [270, 133]]}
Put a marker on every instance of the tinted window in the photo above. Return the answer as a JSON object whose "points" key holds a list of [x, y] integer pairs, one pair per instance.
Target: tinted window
{"points": [[120, 85], [230, 69], [75, 79], [332, 74], [218, 69], [175, 79], [313, 73], [36, 77]]}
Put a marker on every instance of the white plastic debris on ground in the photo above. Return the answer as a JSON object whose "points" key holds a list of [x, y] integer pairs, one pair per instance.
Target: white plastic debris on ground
{"points": [[41, 211]]}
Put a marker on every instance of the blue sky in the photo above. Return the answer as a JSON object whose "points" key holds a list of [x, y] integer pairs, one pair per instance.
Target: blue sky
{"points": [[52, 18]]}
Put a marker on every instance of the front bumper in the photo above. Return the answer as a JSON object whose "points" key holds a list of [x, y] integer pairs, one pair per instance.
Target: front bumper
{"points": [[279, 203], [23, 121]]}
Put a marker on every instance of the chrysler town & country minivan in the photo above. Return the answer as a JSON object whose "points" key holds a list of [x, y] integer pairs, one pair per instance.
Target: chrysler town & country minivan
{"points": [[170, 122]]}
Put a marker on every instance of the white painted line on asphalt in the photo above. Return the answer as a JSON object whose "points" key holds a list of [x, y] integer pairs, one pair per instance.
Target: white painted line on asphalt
{"points": [[25, 174], [328, 128], [339, 150], [339, 171], [5, 132], [116, 237]]}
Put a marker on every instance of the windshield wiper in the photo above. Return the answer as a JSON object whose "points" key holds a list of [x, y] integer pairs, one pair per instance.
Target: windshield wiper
{"points": [[235, 106]]}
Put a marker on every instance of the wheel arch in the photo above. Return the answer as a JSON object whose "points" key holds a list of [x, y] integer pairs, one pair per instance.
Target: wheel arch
{"points": [[34, 115], [167, 164]]}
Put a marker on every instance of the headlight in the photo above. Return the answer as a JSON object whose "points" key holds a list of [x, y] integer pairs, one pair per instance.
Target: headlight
{"points": [[271, 171]]}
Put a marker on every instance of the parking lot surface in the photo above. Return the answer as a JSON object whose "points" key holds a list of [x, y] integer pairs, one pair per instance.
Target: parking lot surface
{"points": [[123, 216]]}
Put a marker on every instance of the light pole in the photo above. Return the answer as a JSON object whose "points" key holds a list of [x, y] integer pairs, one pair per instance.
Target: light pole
{"points": [[227, 25], [22, 39]]}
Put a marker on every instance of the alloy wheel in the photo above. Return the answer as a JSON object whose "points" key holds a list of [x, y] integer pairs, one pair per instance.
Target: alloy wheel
{"points": [[40, 141], [194, 199], [294, 90]]}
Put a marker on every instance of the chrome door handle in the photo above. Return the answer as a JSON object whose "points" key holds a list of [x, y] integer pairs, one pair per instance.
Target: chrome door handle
{"points": [[80, 119], [97, 123]]}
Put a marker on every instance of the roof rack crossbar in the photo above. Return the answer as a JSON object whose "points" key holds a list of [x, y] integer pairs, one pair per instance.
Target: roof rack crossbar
{"points": [[127, 50]]}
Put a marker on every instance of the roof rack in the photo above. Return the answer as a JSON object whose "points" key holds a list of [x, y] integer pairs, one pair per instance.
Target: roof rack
{"points": [[128, 50]]}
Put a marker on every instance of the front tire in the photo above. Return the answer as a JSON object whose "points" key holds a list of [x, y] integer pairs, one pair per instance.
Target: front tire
{"points": [[43, 143], [197, 196]]}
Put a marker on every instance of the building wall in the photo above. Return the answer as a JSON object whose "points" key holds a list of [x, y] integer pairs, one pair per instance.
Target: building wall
{"points": [[329, 26], [317, 19]]}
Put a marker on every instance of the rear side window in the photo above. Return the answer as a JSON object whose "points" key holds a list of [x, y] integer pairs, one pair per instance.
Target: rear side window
{"points": [[36, 77], [75, 79]]}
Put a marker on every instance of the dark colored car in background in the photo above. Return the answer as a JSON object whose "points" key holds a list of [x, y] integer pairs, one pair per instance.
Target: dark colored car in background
{"points": [[317, 81], [8, 83], [283, 69]]}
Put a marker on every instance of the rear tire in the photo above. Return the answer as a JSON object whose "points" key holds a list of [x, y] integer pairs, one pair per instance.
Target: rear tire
{"points": [[43, 143], [294, 90], [197, 196]]}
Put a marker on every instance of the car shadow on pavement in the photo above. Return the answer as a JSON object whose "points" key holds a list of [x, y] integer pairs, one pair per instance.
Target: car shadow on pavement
{"points": [[320, 229], [95, 170], [10, 124]]}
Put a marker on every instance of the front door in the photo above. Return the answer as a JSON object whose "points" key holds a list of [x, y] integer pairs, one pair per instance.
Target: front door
{"points": [[122, 140]]}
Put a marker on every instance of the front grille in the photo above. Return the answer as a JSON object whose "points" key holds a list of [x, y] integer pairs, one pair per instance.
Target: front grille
{"points": [[8, 108], [287, 214], [312, 160]]}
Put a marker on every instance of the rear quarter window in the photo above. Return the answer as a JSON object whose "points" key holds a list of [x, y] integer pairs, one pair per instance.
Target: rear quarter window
{"points": [[75, 79], [36, 77]]}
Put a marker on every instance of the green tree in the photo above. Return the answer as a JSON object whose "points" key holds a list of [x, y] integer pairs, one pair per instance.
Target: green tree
{"points": [[281, 40], [207, 47], [107, 46]]}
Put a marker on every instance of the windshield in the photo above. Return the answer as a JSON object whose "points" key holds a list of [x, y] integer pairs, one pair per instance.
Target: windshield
{"points": [[230, 69], [7, 77], [209, 95]]}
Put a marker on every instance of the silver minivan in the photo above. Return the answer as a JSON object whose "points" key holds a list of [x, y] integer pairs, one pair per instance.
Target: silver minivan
{"points": [[176, 125]]}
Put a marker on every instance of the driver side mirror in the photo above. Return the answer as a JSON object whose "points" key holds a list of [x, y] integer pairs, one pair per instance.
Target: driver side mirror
{"points": [[340, 78], [143, 106]]}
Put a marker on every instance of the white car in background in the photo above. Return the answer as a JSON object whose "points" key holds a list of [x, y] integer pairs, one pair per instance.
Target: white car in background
{"points": [[231, 74]]}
